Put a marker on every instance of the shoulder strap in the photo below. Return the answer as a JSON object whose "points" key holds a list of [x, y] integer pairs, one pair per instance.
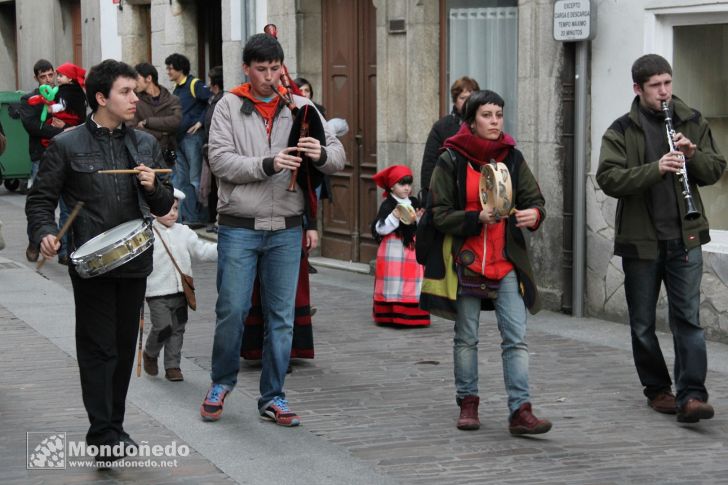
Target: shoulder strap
{"points": [[174, 262], [192, 87]]}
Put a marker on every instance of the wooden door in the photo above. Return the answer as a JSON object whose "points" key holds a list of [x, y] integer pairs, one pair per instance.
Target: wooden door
{"points": [[349, 79], [75, 7], [209, 36]]}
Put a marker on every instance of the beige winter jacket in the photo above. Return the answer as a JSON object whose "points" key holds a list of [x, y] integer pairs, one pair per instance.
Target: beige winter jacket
{"points": [[242, 160]]}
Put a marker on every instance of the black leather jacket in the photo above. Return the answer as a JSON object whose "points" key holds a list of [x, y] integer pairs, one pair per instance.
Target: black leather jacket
{"points": [[37, 131], [69, 170]]}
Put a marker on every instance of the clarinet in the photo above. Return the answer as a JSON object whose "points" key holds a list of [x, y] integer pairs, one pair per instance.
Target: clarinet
{"points": [[691, 212]]}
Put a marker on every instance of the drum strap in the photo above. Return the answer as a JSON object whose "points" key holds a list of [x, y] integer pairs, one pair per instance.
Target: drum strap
{"points": [[131, 143]]}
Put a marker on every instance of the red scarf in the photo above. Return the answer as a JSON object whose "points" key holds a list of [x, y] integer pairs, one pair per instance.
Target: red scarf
{"points": [[267, 109], [477, 149]]}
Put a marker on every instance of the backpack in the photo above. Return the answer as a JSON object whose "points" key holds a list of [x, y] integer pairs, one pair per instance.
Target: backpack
{"points": [[427, 236], [192, 87]]}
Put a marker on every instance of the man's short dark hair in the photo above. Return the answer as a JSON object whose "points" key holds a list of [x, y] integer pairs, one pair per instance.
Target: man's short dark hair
{"points": [[145, 69], [647, 66], [464, 83], [42, 65], [215, 76], [478, 99], [102, 76], [262, 48], [178, 63]]}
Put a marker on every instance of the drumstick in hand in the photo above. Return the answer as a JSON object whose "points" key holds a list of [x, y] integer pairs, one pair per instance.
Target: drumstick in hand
{"points": [[134, 171], [141, 337], [63, 230]]}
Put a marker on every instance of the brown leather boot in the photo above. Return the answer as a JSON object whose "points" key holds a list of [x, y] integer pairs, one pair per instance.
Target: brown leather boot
{"points": [[150, 364], [523, 421], [468, 419]]}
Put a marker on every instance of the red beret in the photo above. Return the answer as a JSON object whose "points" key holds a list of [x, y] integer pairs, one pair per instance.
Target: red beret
{"points": [[391, 175], [76, 73]]}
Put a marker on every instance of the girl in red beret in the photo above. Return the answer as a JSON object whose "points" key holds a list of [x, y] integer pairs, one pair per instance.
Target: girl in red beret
{"points": [[398, 276], [70, 103]]}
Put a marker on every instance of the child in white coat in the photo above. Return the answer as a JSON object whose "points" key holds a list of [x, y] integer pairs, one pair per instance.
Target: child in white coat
{"points": [[165, 295]]}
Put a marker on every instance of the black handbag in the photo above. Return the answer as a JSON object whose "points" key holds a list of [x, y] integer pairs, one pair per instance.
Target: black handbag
{"points": [[476, 285]]}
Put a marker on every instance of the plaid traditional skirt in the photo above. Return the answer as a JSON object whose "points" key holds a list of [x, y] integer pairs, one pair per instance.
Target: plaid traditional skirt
{"points": [[397, 285], [254, 328]]}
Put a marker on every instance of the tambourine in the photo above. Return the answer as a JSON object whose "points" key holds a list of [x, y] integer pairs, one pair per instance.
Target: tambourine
{"points": [[407, 214], [496, 192]]}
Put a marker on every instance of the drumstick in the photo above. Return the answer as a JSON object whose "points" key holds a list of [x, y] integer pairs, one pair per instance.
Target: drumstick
{"points": [[141, 336], [63, 230], [134, 171]]}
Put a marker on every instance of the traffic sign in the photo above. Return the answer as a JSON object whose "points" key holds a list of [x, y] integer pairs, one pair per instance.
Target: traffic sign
{"points": [[574, 20]]}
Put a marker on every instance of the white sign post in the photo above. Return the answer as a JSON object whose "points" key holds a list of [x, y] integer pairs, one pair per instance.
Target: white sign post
{"points": [[574, 20]]}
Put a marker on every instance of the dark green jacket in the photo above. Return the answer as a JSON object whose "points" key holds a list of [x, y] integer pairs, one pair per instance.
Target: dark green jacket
{"points": [[624, 173], [447, 190]]}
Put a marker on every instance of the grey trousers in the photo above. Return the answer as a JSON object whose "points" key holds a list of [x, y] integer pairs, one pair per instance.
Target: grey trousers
{"points": [[169, 317]]}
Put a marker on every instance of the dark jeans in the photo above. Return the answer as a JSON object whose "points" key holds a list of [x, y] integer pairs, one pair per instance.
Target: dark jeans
{"points": [[107, 324], [681, 271]]}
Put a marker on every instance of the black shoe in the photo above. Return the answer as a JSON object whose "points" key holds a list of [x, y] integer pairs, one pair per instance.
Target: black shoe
{"points": [[103, 460], [128, 442], [311, 269]]}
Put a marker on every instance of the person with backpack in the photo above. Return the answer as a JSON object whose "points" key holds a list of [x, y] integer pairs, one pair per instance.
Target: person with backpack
{"points": [[193, 95], [482, 262]]}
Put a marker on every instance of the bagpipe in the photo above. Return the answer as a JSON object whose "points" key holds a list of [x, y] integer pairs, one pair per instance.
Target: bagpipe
{"points": [[307, 122]]}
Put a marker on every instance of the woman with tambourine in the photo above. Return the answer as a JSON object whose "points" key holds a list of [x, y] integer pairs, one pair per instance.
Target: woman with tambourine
{"points": [[482, 196], [398, 275]]}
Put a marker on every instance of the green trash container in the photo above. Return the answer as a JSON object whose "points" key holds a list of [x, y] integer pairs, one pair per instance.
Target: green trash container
{"points": [[15, 163]]}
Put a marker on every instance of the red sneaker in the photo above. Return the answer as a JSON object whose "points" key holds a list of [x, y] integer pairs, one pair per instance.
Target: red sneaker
{"points": [[524, 422], [279, 412], [211, 409]]}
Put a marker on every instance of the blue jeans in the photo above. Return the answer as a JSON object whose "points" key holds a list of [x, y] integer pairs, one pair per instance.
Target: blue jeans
{"points": [[186, 177], [682, 272], [510, 313], [275, 256]]}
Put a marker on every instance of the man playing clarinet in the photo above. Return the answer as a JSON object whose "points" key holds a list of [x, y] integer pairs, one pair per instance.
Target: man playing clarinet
{"points": [[659, 230], [260, 222]]}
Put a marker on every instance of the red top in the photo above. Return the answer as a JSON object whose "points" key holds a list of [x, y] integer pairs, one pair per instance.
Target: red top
{"points": [[491, 242]]}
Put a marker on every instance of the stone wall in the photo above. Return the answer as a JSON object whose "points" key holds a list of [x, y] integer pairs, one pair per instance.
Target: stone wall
{"points": [[407, 81], [605, 279]]}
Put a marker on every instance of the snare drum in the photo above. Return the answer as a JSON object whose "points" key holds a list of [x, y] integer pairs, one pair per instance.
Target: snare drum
{"points": [[112, 248]]}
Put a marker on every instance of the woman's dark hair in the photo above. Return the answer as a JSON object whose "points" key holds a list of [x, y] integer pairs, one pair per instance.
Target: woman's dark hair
{"points": [[102, 76], [478, 99], [407, 179], [42, 65], [262, 48], [302, 81], [464, 83], [647, 66], [145, 69], [215, 76], [178, 63]]}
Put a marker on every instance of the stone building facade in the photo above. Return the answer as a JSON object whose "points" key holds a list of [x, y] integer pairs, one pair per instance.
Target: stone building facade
{"points": [[411, 93]]}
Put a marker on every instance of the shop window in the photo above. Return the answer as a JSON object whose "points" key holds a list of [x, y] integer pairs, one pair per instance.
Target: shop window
{"points": [[701, 79], [482, 42]]}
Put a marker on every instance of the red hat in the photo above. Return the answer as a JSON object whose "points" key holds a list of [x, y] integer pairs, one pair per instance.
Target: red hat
{"points": [[391, 175], [76, 73]]}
